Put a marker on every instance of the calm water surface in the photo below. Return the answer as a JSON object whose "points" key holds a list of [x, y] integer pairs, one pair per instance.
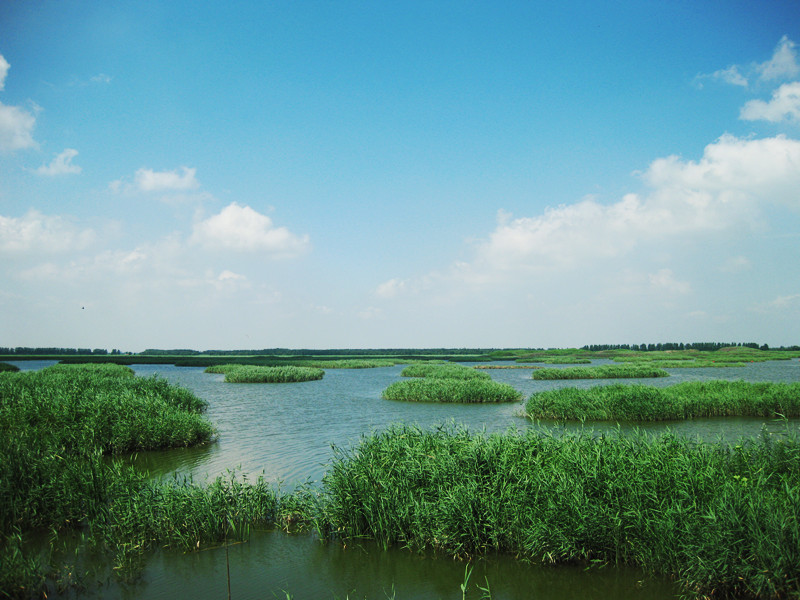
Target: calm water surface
{"points": [[285, 432]]}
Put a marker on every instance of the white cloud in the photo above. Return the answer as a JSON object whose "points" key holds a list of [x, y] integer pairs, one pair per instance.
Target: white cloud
{"points": [[780, 304], [242, 228], [371, 312], [37, 233], [390, 289], [736, 264], [16, 124], [731, 75], [16, 129], [61, 164], [664, 281], [181, 179], [724, 193], [4, 66], [785, 105], [783, 63]]}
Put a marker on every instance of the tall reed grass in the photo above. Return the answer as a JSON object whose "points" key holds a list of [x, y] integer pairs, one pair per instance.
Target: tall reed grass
{"points": [[235, 373], [451, 390], [720, 519], [687, 400], [56, 425], [443, 371], [600, 372]]}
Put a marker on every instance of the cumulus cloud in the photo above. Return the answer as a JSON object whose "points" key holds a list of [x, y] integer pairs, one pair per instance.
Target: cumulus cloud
{"points": [[16, 128], [4, 66], [723, 193], [736, 264], [181, 179], [785, 303], [243, 229], [16, 124], [783, 63], [664, 281], [38, 233], [784, 106], [731, 75], [61, 164], [390, 289]]}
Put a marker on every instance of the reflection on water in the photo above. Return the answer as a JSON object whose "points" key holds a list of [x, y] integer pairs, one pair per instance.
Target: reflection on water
{"points": [[285, 431], [273, 563]]}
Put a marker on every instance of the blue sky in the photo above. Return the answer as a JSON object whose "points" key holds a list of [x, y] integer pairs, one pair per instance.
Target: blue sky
{"points": [[415, 174]]}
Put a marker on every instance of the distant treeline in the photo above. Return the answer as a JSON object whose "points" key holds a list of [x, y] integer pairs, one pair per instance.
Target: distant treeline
{"points": [[702, 346], [322, 352], [56, 351]]}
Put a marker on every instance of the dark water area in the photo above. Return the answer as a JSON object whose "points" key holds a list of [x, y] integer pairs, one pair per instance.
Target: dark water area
{"points": [[285, 433]]}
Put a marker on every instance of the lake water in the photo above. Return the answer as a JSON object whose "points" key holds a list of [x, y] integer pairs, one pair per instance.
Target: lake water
{"points": [[285, 432]]}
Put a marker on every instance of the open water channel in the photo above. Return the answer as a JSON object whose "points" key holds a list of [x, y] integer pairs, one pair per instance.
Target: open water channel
{"points": [[285, 433]]}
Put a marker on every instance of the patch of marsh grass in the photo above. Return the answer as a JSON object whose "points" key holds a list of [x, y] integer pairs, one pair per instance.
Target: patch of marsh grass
{"points": [[687, 400], [444, 371], [235, 373], [600, 372], [720, 519], [428, 389]]}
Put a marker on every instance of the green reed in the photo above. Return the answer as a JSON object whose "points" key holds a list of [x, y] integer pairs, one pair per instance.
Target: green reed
{"points": [[451, 390], [720, 519], [600, 372], [235, 373], [443, 371], [56, 425], [687, 400], [558, 360], [7, 368]]}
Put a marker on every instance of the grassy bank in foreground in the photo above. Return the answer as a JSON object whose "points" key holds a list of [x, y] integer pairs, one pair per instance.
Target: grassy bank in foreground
{"points": [[601, 372], [721, 520], [55, 426], [451, 390], [686, 400], [255, 374]]}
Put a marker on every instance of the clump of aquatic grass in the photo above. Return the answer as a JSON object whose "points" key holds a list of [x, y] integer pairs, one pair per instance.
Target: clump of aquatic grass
{"points": [[443, 372], [56, 425], [93, 369], [7, 368], [506, 367], [557, 360], [349, 363], [178, 513], [694, 364], [720, 519], [600, 372], [687, 400], [257, 374], [451, 390]]}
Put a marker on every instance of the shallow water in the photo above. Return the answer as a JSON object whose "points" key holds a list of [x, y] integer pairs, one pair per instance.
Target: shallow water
{"points": [[285, 432]]}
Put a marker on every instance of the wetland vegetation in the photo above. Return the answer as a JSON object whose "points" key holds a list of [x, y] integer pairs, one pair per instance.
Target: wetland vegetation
{"points": [[465, 391], [632, 371], [436, 371], [687, 400], [236, 373], [719, 518]]}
